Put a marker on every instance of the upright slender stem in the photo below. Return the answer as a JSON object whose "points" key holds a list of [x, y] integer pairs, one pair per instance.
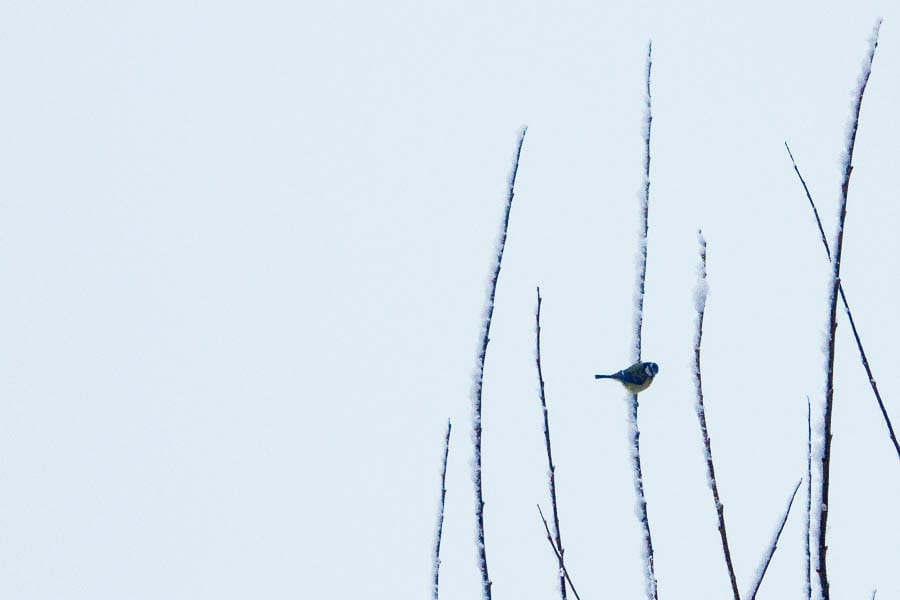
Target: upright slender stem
{"points": [[649, 571], [552, 468], [440, 525], [701, 415], [808, 497], [479, 378], [645, 218], [862, 353], [836, 282]]}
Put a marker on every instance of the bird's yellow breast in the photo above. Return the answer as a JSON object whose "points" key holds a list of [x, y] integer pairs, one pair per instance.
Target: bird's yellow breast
{"points": [[634, 388]]}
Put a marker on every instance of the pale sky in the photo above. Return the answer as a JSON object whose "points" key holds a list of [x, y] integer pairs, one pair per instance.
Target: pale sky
{"points": [[243, 254]]}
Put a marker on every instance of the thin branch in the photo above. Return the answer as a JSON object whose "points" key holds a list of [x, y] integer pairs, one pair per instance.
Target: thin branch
{"points": [[772, 547], [635, 434], [859, 345], [479, 377], [440, 524], [808, 498], [645, 217], [649, 573], [552, 468], [701, 415], [832, 326], [811, 203], [563, 568]]}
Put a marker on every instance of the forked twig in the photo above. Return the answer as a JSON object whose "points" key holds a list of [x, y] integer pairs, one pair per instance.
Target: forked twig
{"points": [[859, 345], [768, 558], [838, 249], [552, 468], [563, 568]]}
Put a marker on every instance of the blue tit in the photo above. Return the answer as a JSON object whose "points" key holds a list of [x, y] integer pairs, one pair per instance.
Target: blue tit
{"points": [[635, 378]]}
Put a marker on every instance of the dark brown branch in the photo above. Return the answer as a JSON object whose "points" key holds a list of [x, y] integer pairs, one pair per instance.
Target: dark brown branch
{"points": [[822, 568], [552, 468], [479, 377], [701, 415], [859, 345]]}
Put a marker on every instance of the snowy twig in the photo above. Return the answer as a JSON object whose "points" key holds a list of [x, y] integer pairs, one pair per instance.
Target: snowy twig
{"points": [[552, 468], [649, 571], [808, 498], [440, 524], [479, 376], [562, 569], [768, 558], [832, 316], [701, 415], [645, 221], [862, 352]]}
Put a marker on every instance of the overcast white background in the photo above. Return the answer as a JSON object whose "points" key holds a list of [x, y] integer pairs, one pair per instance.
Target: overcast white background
{"points": [[243, 255]]}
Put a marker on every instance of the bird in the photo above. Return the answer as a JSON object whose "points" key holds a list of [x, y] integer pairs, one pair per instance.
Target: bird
{"points": [[635, 378]]}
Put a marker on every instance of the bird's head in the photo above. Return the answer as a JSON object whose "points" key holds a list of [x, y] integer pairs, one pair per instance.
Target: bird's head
{"points": [[651, 369]]}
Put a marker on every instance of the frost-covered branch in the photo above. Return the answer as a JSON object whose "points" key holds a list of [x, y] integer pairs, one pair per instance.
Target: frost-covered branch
{"points": [[560, 551], [635, 434], [479, 376], [859, 346], [649, 572], [440, 524], [563, 571], [771, 552], [645, 222], [838, 248], [700, 300]]}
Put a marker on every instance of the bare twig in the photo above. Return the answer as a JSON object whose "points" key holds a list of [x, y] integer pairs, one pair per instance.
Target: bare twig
{"points": [[552, 468], [440, 524], [563, 568], [832, 326], [812, 204], [479, 377], [701, 415], [862, 352], [768, 558], [649, 571], [808, 497]]}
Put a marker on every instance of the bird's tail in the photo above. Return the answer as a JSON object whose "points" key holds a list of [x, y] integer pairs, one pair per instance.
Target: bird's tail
{"points": [[604, 376]]}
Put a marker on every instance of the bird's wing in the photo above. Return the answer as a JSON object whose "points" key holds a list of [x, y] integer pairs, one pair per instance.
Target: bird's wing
{"points": [[631, 375]]}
